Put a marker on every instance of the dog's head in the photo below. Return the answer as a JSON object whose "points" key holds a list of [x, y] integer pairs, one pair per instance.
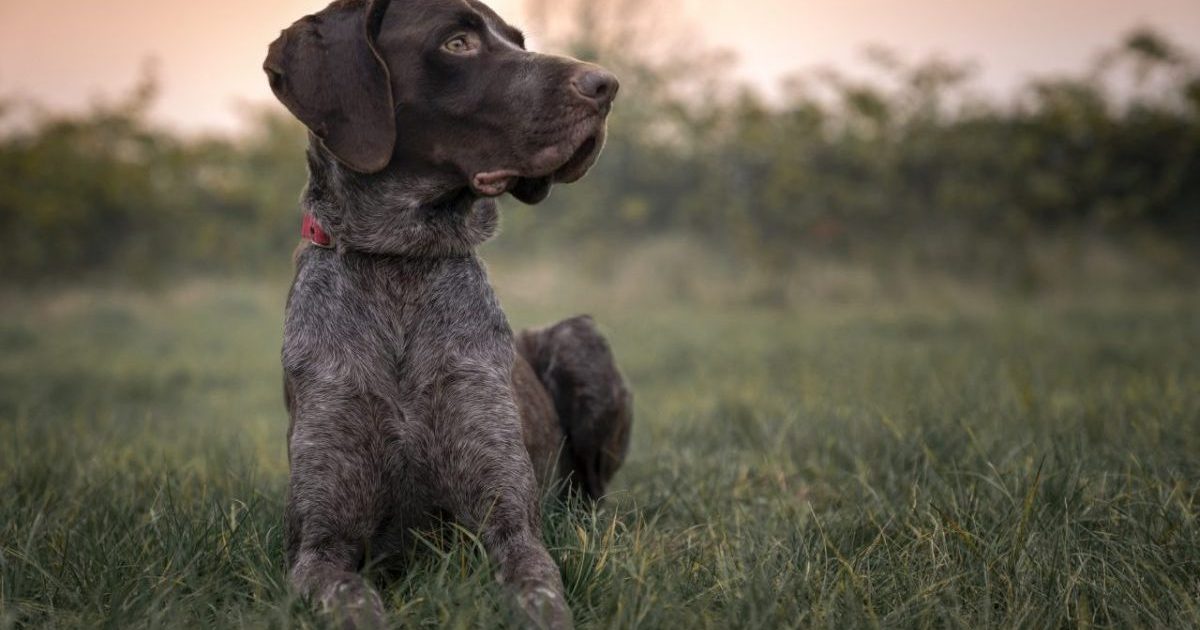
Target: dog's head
{"points": [[443, 90]]}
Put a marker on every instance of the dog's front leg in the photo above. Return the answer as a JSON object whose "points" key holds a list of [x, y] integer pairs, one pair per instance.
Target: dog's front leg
{"points": [[333, 507], [492, 490], [325, 572]]}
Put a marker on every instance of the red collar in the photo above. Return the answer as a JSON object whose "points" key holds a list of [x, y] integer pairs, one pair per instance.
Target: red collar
{"points": [[310, 230]]}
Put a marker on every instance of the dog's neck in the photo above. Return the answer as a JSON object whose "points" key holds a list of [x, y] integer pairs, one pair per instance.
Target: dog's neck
{"points": [[395, 213]]}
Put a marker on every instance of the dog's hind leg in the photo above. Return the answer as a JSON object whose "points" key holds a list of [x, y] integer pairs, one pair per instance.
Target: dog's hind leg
{"points": [[595, 407]]}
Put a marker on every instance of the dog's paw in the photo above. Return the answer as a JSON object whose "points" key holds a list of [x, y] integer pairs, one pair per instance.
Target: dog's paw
{"points": [[544, 607], [353, 605]]}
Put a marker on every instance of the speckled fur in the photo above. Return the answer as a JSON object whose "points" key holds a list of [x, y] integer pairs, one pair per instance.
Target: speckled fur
{"points": [[399, 379], [408, 402]]}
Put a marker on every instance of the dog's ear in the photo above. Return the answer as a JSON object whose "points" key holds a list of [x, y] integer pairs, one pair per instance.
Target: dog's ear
{"points": [[326, 70]]}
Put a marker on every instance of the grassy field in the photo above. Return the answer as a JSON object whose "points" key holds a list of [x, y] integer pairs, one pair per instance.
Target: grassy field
{"points": [[885, 461]]}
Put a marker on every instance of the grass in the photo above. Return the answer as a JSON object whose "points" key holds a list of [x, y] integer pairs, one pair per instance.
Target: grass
{"points": [[838, 463]]}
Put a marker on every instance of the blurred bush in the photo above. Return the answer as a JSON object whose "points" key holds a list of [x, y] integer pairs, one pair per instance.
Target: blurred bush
{"points": [[910, 167], [108, 195]]}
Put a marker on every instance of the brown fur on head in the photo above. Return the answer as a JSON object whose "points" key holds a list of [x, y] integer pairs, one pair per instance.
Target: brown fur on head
{"points": [[441, 89]]}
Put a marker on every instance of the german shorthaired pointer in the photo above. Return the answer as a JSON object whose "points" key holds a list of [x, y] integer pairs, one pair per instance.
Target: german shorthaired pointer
{"points": [[410, 398]]}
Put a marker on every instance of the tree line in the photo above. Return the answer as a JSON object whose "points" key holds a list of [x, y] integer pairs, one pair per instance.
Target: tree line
{"points": [[911, 161]]}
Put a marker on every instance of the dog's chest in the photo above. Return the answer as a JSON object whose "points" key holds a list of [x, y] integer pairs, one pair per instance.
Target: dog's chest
{"points": [[391, 328]]}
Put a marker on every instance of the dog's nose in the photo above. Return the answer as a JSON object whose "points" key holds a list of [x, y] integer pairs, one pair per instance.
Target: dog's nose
{"points": [[597, 85]]}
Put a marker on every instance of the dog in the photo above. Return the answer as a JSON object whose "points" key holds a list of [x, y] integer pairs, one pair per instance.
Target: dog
{"points": [[410, 398]]}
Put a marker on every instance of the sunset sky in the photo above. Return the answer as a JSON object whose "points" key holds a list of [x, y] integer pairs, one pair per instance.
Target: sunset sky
{"points": [[208, 54]]}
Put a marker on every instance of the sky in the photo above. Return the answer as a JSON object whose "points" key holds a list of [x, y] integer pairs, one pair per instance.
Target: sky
{"points": [[208, 54]]}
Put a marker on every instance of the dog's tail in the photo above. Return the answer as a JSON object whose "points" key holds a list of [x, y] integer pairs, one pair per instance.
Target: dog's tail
{"points": [[574, 363]]}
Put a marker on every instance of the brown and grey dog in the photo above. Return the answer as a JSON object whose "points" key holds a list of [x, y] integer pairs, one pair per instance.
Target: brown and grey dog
{"points": [[410, 398]]}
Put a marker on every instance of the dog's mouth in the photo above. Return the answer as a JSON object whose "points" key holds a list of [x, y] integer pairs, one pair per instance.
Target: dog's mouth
{"points": [[549, 167], [580, 161]]}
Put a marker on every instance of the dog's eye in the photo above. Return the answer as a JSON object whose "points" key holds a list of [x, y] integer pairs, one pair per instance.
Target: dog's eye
{"points": [[462, 44]]}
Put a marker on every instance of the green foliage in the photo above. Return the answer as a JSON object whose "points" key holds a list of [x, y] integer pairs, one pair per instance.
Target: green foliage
{"points": [[107, 194], [914, 166], [908, 167], [897, 463]]}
